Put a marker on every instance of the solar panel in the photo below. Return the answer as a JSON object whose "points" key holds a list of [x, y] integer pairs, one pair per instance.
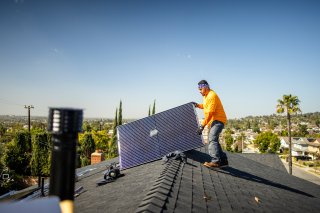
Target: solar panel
{"points": [[177, 129], [135, 144], [151, 138]]}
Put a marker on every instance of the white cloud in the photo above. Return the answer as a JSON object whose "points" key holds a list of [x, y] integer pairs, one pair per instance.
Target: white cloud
{"points": [[18, 1], [188, 56]]}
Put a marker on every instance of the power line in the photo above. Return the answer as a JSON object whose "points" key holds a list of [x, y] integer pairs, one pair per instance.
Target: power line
{"points": [[4, 101]]}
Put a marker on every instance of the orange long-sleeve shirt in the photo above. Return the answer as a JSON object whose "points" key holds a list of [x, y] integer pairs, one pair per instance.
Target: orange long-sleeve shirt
{"points": [[213, 109]]}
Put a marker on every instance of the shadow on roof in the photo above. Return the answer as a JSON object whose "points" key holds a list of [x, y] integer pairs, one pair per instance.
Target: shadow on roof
{"points": [[203, 157], [247, 176], [198, 156]]}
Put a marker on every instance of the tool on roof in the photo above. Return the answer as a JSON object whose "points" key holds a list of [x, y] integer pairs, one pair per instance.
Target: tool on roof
{"points": [[111, 174], [176, 155]]}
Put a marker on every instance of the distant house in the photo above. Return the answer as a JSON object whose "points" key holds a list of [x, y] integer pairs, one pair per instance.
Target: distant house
{"points": [[237, 145], [251, 137], [313, 148], [301, 146], [110, 132]]}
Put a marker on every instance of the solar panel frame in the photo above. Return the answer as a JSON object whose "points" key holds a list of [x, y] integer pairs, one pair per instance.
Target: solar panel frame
{"points": [[150, 138]]}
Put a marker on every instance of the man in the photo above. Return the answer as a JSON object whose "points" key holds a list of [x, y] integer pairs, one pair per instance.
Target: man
{"points": [[215, 118]]}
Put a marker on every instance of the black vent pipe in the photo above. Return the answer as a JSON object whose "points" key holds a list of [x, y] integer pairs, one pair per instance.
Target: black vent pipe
{"points": [[64, 124]]}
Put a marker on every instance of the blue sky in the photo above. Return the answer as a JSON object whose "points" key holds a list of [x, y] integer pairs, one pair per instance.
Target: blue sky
{"points": [[90, 54]]}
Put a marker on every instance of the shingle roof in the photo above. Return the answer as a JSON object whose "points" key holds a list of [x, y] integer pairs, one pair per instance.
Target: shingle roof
{"points": [[247, 185], [123, 195], [267, 159]]}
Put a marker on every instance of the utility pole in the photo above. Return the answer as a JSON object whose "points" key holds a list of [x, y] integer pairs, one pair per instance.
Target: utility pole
{"points": [[101, 124], [28, 107], [241, 144]]}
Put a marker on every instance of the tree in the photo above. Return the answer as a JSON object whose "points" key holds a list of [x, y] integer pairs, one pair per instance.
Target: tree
{"points": [[2, 148], [40, 164], [283, 133], [2, 130], [271, 124], [112, 145], [101, 139], [86, 127], [255, 127], [40, 155], [149, 111], [87, 148], [290, 105], [154, 107], [236, 149], [229, 141], [247, 125], [274, 145], [18, 154], [38, 125], [115, 124], [228, 131], [241, 138], [302, 130], [317, 123], [267, 141], [119, 122]]}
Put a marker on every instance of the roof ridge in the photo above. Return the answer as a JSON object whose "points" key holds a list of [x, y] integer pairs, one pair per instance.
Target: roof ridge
{"points": [[157, 196]]}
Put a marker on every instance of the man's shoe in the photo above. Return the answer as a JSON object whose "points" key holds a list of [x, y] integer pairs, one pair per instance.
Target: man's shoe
{"points": [[211, 165], [224, 163]]}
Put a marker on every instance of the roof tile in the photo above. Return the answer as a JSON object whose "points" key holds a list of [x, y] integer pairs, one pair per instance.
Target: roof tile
{"points": [[191, 187]]}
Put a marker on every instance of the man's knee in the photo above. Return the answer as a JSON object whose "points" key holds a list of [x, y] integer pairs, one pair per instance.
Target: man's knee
{"points": [[213, 138]]}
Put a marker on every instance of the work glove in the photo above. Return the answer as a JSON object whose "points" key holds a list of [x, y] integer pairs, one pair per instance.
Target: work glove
{"points": [[200, 129], [194, 104]]}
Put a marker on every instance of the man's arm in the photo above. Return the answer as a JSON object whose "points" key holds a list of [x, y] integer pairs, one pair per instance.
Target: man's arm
{"points": [[197, 105]]}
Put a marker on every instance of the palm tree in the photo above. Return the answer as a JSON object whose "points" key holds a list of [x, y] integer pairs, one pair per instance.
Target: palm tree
{"points": [[290, 105], [241, 138]]}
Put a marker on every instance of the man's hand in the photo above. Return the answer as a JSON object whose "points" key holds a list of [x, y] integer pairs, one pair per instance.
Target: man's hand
{"points": [[200, 129], [194, 104]]}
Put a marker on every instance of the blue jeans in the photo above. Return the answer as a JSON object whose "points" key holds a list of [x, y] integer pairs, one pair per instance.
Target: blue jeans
{"points": [[214, 147]]}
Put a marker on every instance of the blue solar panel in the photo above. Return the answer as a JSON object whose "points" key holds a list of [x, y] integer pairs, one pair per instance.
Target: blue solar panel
{"points": [[177, 129], [151, 138]]}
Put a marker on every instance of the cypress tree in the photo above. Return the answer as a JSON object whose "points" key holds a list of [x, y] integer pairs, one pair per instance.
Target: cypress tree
{"points": [[112, 145], [115, 124], [149, 111], [154, 108], [120, 114]]}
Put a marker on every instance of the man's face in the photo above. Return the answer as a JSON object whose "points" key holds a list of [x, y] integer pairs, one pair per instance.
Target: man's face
{"points": [[204, 91]]}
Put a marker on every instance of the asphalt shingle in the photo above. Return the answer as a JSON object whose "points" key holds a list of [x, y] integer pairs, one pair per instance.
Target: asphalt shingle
{"points": [[251, 183], [123, 195]]}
